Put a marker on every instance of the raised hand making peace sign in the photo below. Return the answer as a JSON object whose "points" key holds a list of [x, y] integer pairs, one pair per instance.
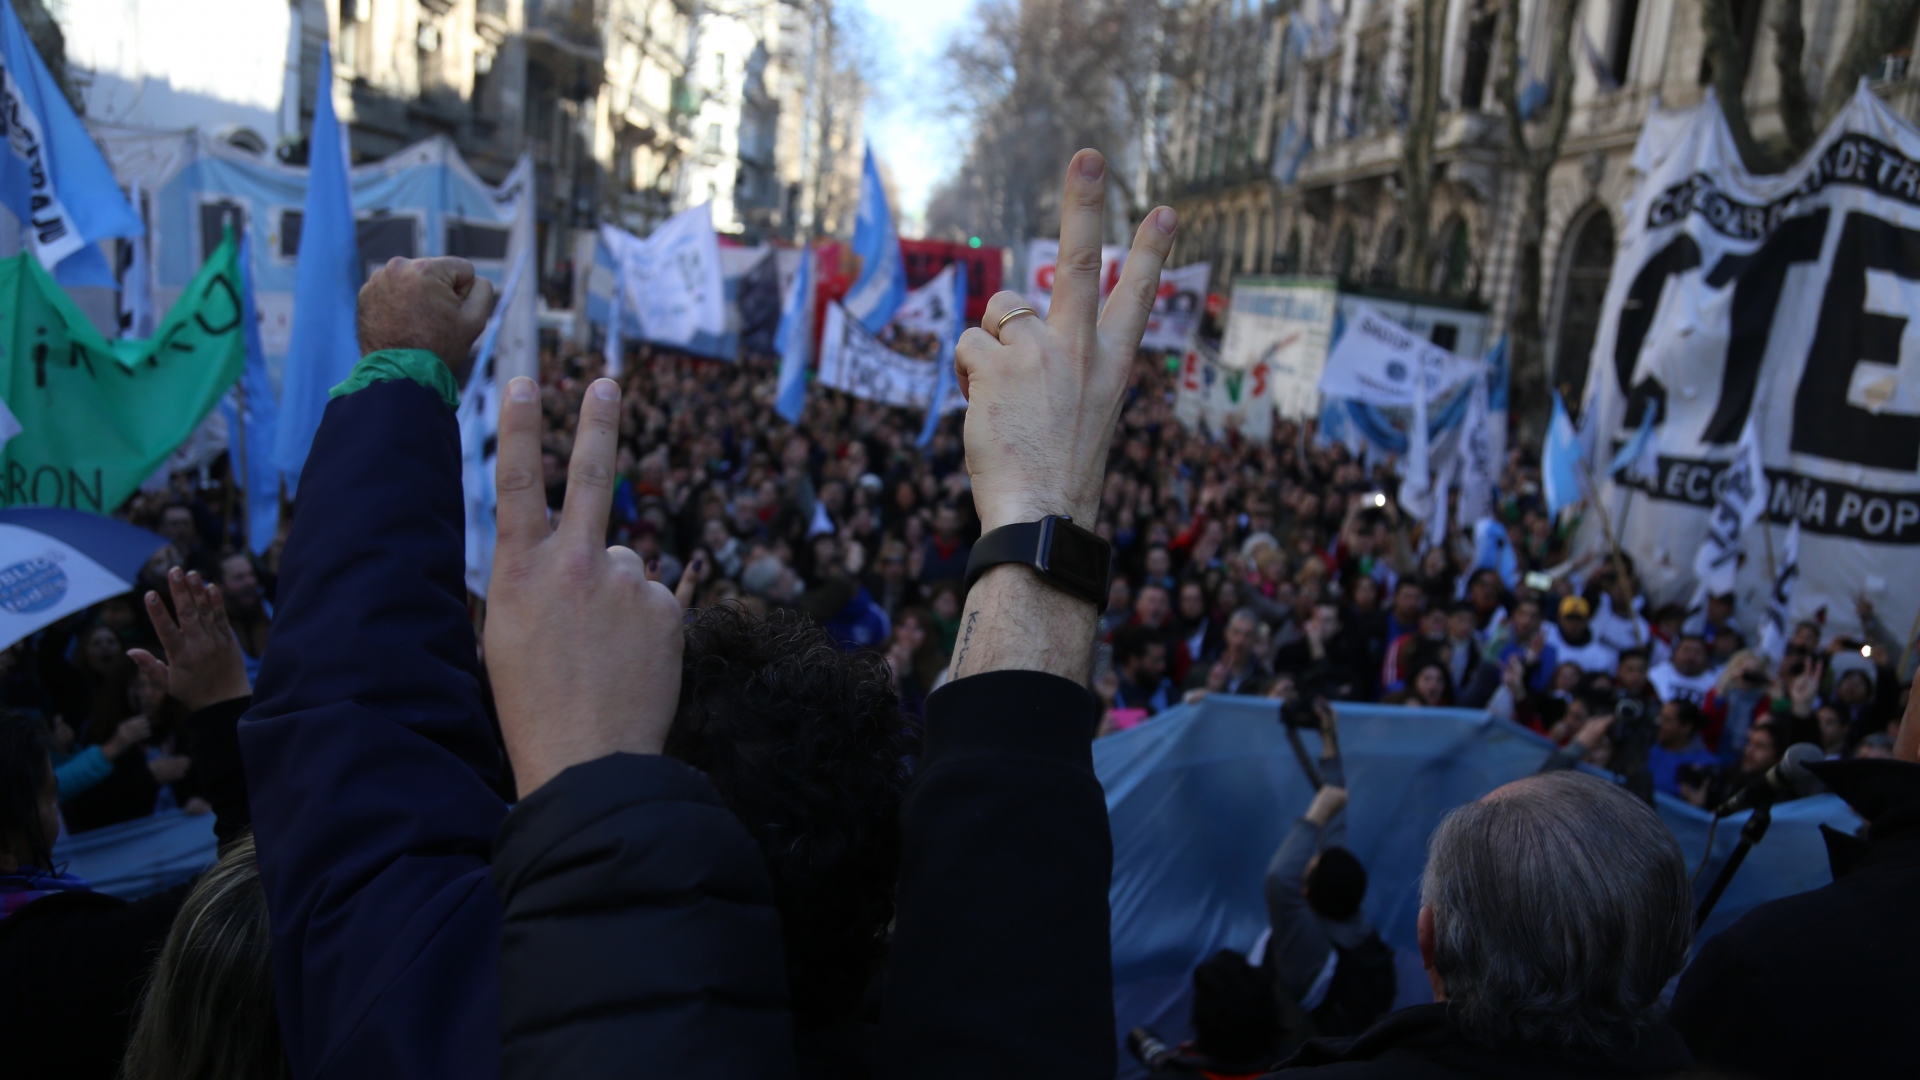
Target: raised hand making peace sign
{"points": [[1043, 398], [583, 650]]}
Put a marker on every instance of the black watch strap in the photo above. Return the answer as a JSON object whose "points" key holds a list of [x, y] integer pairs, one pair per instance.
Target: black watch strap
{"points": [[1072, 559]]}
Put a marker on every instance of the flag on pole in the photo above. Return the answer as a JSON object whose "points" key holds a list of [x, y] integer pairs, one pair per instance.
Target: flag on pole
{"points": [[616, 353], [882, 284], [945, 380], [1739, 498], [1560, 462], [1638, 459], [51, 174], [1774, 631], [136, 284], [109, 412], [479, 419], [794, 341], [251, 426], [326, 285]]}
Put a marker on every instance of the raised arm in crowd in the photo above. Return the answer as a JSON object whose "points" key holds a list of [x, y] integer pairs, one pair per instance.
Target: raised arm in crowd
{"points": [[625, 916]]}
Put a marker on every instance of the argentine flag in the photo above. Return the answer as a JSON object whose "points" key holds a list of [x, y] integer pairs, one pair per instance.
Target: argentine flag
{"points": [[946, 382], [51, 174], [1560, 461], [883, 273], [794, 342]]}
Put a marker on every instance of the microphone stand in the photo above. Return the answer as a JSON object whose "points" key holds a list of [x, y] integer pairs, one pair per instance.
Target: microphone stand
{"points": [[1750, 834]]}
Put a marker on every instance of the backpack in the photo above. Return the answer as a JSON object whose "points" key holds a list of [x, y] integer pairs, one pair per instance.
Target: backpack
{"points": [[1362, 990]]}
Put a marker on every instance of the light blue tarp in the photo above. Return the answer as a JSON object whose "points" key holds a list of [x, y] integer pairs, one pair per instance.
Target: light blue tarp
{"points": [[140, 857], [1201, 796]]}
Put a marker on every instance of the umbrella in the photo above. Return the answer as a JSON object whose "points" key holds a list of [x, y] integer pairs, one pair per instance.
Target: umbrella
{"points": [[54, 562]]}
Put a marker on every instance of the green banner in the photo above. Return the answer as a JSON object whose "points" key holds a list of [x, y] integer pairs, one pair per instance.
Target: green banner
{"points": [[97, 416]]}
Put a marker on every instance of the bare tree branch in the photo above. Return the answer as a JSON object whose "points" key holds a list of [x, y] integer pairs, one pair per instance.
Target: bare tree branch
{"points": [[1789, 51], [1878, 29]]}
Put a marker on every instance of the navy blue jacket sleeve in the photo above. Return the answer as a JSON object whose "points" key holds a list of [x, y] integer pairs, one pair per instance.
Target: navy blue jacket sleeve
{"points": [[368, 758], [1002, 964], [641, 937]]}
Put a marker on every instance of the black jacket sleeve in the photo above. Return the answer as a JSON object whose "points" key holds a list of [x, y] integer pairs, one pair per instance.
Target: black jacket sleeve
{"points": [[1001, 963], [641, 934], [213, 737]]}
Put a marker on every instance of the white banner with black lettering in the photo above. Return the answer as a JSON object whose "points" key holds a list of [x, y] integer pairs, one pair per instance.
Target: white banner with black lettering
{"points": [[1042, 255], [1785, 302], [855, 362]]}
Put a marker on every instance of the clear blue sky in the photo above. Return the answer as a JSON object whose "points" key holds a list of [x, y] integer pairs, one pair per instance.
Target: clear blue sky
{"points": [[904, 120]]}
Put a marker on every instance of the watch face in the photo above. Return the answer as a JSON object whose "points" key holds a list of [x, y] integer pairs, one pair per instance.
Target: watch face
{"points": [[1079, 559]]}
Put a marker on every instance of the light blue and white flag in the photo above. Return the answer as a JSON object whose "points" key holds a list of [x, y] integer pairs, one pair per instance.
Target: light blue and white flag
{"points": [[794, 341], [1638, 458], [946, 380], [323, 348], [882, 285], [1560, 461], [479, 419], [616, 349], [1296, 142], [251, 427], [51, 174]]}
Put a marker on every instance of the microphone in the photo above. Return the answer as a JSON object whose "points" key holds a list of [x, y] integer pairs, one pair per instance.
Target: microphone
{"points": [[1789, 779]]}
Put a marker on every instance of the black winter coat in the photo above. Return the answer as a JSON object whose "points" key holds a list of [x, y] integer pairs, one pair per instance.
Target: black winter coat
{"points": [[1419, 1044], [641, 937], [73, 964], [1825, 983]]}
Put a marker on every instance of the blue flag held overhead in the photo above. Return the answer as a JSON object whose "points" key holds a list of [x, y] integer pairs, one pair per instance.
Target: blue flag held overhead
{"points": [[1636, 460], [252, 422], [51, 174], [1560, 462], [794, 342], [948, 342], [882, 285], [324, 347]]}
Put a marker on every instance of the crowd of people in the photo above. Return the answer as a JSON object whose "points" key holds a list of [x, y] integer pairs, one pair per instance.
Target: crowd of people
{"points": [[823, 566]]}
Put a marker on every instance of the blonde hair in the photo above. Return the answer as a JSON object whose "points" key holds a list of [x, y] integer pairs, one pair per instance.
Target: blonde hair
{"points": [[208, 1012]]}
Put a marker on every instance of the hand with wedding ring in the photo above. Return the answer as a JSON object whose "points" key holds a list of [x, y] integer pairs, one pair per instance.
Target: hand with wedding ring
{"points": [[1044, 394], [1043, 399]]}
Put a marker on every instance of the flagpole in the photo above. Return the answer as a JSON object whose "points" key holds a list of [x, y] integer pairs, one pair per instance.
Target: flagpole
{"points": [[1606, 525], [240, 484], [1766, 530]]}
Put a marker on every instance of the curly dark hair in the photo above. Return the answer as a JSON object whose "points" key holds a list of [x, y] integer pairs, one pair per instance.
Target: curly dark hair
{"points": [[23, 778], [809, 748]]}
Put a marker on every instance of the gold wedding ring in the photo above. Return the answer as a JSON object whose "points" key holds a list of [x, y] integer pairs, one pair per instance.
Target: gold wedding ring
{"points": [[1001, 325]]}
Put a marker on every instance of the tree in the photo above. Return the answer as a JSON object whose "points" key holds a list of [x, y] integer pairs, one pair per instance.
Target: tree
{"points": [[1416, 165], [1526, 342], [1879, 27]]}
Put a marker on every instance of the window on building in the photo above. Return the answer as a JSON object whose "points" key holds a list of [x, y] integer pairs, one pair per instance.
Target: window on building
{"points": [[719, 69], [1453, 264], [385, 236], [1620, 38], [712, 144], [1479, 59], [1588, 266], [352, 13], [215, 217], [1386, 260], [472, 240], [1343, 253]]}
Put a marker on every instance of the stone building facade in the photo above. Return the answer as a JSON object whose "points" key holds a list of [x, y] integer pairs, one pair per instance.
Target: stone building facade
{"points": [[1288, 143]]}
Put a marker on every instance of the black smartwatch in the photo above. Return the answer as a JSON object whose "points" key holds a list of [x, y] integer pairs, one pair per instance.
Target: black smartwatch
{"points": [[1066, 556]]}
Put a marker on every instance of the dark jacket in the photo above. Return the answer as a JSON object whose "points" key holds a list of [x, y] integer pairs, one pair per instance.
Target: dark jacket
{"points": [[1006, 854], [1419, 1044], [371, 762], [1823, 983], [73, 964], [369, 756], [641, 931]]}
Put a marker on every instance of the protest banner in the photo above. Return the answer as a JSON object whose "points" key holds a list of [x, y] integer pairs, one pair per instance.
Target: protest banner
{"points": [[856, 362], [1286, 324], [1780, 302], [1041, 257], [1177, 308], [1215, 397], [671, 281], [98, 416]]}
